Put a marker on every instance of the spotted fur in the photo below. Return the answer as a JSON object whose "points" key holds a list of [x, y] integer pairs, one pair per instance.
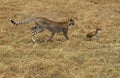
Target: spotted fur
{"points": [[52, 26]]}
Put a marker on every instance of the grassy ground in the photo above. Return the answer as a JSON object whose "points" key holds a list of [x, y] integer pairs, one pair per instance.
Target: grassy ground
{"points": [[75, 58]]}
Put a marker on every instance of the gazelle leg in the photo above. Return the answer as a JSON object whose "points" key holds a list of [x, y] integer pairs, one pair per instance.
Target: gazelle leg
{"points": [[89, 38], [97, 37]]}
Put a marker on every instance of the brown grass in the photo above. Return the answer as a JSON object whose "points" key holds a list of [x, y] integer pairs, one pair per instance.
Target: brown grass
{"points": [[75, 58]]}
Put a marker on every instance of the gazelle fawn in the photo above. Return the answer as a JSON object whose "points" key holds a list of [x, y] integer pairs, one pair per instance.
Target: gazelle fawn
{"points": [[93, 33]]}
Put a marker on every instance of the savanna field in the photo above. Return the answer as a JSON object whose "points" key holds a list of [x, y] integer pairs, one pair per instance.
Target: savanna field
{"points": [[60, 58]]}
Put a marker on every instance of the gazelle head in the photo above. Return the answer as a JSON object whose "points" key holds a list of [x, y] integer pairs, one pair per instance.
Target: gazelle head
{"points": [[98, 30]]}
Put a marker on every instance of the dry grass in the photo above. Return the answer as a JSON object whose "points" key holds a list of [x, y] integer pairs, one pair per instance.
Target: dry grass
{"points": [[75, 58]]}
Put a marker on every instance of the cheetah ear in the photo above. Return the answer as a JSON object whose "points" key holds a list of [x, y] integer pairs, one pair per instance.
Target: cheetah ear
{"points": [[75, 18], [70, 19]]}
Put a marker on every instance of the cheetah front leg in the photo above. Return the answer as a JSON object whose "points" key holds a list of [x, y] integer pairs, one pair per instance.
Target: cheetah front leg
{"points": [[65, 33]]}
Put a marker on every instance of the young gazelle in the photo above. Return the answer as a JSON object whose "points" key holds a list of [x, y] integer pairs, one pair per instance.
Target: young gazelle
{"points": [[94, 33]]}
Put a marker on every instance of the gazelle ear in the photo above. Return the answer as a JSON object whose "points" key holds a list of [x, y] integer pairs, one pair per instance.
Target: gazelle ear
{"points": [[96, 27]]}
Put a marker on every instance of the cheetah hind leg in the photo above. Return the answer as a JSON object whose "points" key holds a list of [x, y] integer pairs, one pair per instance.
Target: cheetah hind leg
{"points": [[51, 37], [35, 30], [33, 37]]}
